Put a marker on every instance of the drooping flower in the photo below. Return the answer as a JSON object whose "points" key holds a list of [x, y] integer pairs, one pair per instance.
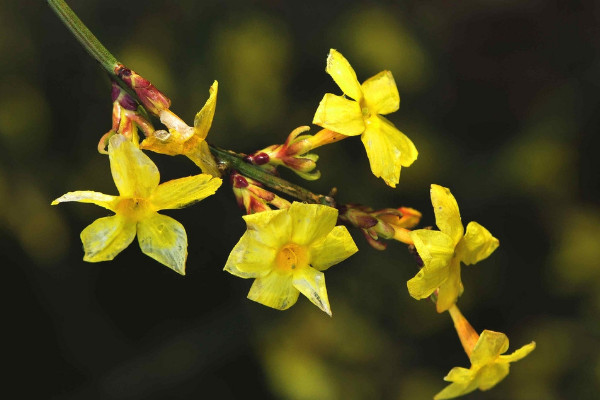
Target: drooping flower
{"points": [[442, 251], [287, 252], [140, 197], [488, 365], [182, 139], [388, 149]]}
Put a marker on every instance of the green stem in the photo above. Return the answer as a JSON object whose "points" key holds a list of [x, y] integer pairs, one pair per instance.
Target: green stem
{"points": [[234, 161], [93, 46], [84, 35]]}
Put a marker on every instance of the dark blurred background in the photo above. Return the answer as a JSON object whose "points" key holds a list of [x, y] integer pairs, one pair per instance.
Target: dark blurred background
{"points": [[500, 97]]}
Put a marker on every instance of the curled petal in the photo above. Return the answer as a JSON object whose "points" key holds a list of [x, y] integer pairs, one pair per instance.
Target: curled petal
{"points": [[343, 74], [165, 240], [274, 290], [86, 196], [388, 149], [311, 222], [519, 354], [436, 250], [135, 175], [311, 283], [477, 244], [332, 249], [489, 346], [250, 258], [204, 118], [178, 193], [447, 216], [381, 93], [106, 237], [340, 115]]}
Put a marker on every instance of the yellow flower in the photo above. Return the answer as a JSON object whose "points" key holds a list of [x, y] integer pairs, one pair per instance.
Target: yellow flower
{"points": [[388, 149], [186, 140], [442, 251], [137, 178], [287, 250], [488, 366]]}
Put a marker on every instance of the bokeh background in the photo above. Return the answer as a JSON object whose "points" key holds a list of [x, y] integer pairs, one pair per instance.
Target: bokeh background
{"points": [[500, 97]]}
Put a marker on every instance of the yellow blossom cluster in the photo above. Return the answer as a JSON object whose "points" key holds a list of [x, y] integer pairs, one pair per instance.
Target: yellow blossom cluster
{"points": [[287, 250]]}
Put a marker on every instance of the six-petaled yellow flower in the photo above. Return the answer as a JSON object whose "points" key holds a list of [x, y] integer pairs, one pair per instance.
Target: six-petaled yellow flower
{"points": [[442, 251], [140, 197], [287, 250], [388, 149], [186, 140], [488, 366]]}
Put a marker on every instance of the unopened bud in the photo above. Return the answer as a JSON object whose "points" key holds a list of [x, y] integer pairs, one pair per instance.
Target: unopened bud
{"points": [[149, 95], [261, 158]]}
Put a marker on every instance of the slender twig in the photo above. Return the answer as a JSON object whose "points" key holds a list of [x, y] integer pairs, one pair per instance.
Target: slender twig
{"points": [[85, 37], [236, 162]]}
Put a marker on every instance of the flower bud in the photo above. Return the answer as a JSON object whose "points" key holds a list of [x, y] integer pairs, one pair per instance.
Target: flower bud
{"points": [[149, 95]]}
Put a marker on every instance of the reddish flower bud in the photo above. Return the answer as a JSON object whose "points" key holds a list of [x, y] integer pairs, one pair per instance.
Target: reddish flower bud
{"points": [[149, 95]]}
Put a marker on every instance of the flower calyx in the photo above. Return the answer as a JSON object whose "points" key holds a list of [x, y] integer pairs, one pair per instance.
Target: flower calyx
{"points": [[152, 98], [387, 223], [127, 117], [252, 197], [294, 153]]}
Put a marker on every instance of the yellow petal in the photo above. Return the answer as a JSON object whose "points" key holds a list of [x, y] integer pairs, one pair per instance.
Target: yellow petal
{"points": [[165, 240], [519, 354], [343, 74], [86, 196], [436, 250], [477, 244], [311, 222], [455, 389], [332, 249], [274, 228], [490, 375], [340, 115], [459, 375], [203, 158], [182, 192], [170, 143], [133, 172], [381, 93], [463, 383], [450, 289], [489, 346], [204, 118], [447, 216], [274, 290], [106, 237], [250, 258], [388, 149], [311, 283]]}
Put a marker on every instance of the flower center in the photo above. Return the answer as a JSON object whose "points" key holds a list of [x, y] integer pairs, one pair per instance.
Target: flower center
{"points": [[134, 208], [291, 256], [365, 112]]}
